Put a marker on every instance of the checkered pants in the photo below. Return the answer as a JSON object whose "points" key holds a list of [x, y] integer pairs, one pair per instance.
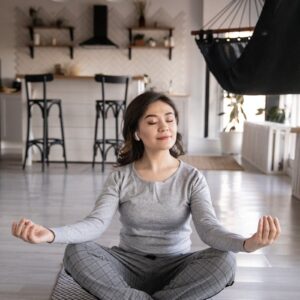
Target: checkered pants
{"points": [[114, 274]]}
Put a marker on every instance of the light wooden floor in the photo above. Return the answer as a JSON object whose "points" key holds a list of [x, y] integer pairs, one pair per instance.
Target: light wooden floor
{"points": [[62, 196]]}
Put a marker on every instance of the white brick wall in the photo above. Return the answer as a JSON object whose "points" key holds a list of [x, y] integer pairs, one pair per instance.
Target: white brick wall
{"points": [[154, 62]]}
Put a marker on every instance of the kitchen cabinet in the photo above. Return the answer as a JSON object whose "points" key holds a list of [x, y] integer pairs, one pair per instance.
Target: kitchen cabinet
{"points": [[37, 30], [11, 122], [148, 32]]}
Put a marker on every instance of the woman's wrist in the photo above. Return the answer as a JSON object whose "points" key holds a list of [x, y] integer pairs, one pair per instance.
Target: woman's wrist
{"points": [[245, 247], [51, 236]]}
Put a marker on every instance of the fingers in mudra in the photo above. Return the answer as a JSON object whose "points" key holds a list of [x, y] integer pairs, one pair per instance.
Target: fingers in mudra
{"points": [[268, 230], [25, 231], [29, 232], [21, 228], [18, 228]]}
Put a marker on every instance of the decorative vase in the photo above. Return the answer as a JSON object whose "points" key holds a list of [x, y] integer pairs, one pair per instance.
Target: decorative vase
{"points": [[231, 142], [142, 21]]}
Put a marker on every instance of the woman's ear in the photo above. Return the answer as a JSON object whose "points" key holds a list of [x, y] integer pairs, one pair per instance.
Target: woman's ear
{"points": [[136, 137]]}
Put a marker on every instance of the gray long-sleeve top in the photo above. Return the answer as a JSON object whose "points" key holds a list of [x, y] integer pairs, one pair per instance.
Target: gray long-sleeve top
{"points": [[155, 216]]}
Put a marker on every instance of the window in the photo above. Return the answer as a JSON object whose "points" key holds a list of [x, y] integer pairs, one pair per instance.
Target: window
{"points": [[250, 106]]}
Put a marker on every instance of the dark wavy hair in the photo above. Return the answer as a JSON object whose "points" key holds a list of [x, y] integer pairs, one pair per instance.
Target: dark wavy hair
{"points": [[133, 150]]}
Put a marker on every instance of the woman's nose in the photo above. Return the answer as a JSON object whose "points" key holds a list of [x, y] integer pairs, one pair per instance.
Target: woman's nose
{"points": [[163, 127]]}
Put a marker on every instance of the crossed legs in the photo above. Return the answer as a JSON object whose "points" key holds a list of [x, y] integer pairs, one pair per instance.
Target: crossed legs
{"points": [[114, 273]]}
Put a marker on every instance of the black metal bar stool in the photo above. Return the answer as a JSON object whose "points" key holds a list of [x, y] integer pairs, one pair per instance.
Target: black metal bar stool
{"points": [[45, 142], [103, 106]]}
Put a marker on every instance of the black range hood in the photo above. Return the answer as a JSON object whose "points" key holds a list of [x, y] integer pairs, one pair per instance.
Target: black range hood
{"points": [[100, 29]]}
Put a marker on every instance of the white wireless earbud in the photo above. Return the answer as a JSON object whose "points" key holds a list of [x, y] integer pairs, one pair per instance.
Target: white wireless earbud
{"points": [[136, 137]]}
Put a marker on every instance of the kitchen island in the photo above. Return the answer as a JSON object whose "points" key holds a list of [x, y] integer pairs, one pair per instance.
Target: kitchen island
{"points": [[10, 127], [78, 95]]}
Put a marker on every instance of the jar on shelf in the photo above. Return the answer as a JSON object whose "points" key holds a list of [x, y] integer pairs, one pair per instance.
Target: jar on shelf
{"points": [[37, 39], [152, 42], [166, 41], [171, 41]]}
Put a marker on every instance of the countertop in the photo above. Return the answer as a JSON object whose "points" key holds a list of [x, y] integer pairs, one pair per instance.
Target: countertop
{"points": [[72, 77], [91, 77]]}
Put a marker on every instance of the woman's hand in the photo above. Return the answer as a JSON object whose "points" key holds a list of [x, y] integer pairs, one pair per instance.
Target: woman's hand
{"points": [[31, 233], [268, 231]]}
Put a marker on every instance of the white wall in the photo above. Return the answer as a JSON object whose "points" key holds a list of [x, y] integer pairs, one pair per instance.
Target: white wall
{"points": [[186, 69]]}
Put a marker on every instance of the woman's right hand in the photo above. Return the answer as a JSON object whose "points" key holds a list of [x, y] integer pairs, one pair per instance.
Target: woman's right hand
{"points": [[32, 233]]}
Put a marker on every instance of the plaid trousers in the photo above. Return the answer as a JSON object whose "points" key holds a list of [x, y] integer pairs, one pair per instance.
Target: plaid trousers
{"points": [[115, 274]]}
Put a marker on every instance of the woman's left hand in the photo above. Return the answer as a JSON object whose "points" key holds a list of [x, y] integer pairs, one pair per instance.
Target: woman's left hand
{"points": [[268, 231]]}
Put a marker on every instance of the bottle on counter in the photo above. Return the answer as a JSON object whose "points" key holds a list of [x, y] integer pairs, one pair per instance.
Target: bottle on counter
{"points": [[37, 39], [58, 69]]}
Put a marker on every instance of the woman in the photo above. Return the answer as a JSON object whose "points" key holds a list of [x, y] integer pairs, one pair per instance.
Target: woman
{"points": [[156, 194]]}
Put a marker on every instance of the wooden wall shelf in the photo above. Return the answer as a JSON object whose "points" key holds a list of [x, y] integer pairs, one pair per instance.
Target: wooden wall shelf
{"points": [[32, 46], [137, 30]]}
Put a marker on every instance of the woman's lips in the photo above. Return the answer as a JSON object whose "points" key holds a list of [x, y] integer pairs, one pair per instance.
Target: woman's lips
{"points": [[164, 138]]}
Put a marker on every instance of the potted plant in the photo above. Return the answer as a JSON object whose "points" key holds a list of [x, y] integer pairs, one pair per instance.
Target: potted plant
{"points": [[230, 137], [273, 114], [138, 39]]}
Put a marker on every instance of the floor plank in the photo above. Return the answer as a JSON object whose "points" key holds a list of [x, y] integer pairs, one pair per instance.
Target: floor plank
{"points": [[61, 196]]}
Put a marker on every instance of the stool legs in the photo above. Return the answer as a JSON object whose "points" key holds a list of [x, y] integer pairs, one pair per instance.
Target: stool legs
{"points": [[103, 141], [62, 135], [117, 131], [96, 134], [44, 144], [103, 150], [105, 105], [27, 139], [100, 143], [118, 110], [45, 138]]}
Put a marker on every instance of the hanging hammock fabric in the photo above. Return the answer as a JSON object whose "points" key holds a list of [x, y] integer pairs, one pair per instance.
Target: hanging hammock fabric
{"points": [[268, 62]]}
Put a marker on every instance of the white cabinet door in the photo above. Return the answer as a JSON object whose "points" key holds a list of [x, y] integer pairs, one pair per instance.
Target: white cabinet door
{"points": [[11, 122]]}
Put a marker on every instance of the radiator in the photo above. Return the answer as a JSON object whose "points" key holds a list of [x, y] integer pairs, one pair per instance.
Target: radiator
{"points": [[267, 146]]}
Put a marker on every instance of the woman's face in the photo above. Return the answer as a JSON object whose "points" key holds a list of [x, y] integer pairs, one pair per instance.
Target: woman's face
{"points": [[157, 128]]}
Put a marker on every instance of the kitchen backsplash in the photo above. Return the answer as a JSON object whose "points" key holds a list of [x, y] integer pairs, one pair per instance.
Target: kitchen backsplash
{"points": [[153, 62]]}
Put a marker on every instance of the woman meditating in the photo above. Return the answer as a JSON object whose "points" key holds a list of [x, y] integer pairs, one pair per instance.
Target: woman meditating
{"points": [[156, 194]]}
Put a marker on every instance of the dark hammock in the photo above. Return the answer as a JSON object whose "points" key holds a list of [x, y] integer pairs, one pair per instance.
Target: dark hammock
{"points": [[268, 63]]}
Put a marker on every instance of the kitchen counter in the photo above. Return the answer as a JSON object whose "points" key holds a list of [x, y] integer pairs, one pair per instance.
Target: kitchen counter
{"points": [[78, 94], [71, 77], [10, 127]]}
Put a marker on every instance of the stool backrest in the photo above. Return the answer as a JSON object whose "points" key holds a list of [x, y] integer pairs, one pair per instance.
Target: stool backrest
{"points": [[37, 78], [113, 79]]}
